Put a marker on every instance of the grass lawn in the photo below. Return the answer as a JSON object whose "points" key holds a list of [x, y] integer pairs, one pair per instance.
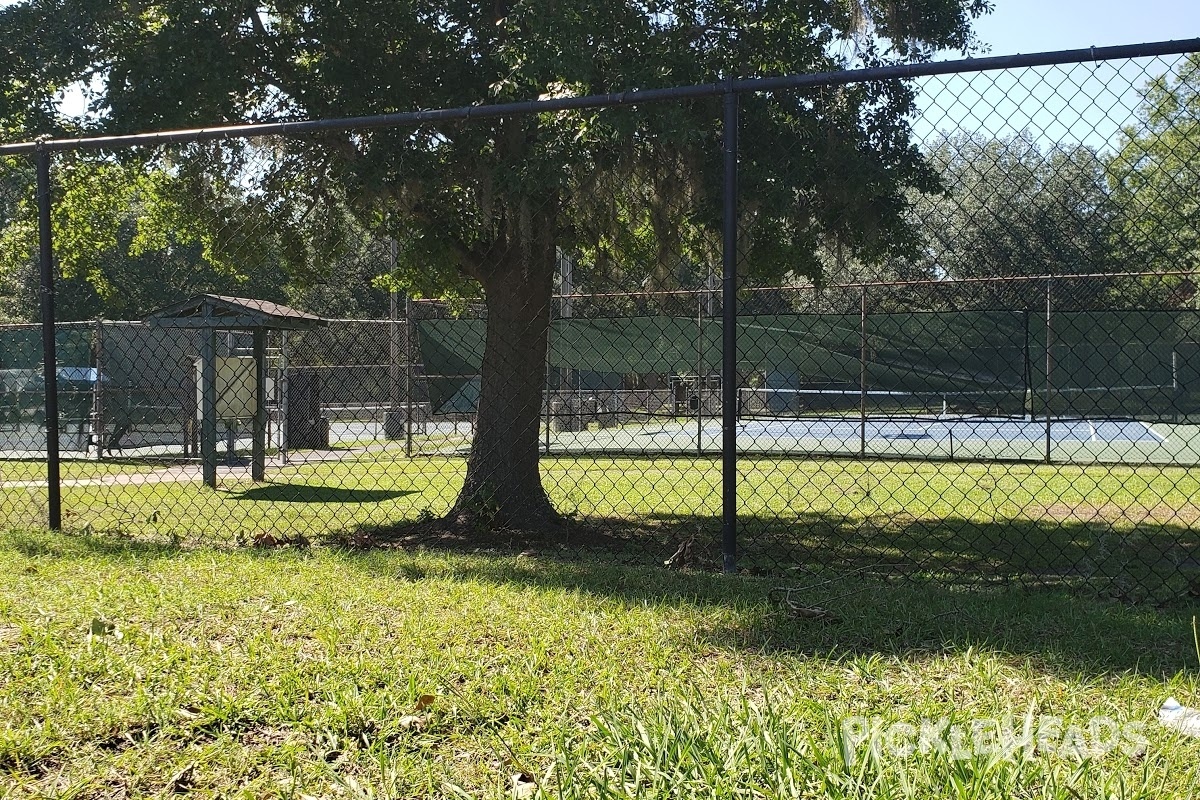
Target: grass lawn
{"points": [[1130, 532], [71, 469], [130, 670]]}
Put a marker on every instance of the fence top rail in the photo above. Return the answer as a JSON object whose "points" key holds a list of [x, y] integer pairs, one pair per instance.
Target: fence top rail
{"points": [[626, 98], [947, 283]]}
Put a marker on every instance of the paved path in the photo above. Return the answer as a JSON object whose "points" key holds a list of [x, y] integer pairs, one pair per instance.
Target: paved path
{"points": [[188, 473]]}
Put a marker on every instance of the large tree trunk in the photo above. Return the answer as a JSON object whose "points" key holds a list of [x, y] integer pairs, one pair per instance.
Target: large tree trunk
{"points": [[503, 486]]}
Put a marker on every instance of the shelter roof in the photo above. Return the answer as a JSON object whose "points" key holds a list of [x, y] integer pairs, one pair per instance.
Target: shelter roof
{"points": [[214, 311]]}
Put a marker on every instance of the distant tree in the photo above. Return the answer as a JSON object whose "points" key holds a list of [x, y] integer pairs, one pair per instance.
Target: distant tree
{"points": [[1155, 181], [1011, 208], [16, 187], [357, 285]]}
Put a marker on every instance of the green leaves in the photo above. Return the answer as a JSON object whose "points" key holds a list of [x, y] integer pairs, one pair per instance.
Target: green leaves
{"points": [[1011, 207], [455, 192], [129, 236], [1155, 176]]}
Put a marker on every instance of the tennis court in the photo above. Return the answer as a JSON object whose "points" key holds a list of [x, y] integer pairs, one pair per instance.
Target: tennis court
{"points": [[948, 429], [893, 424], [1082, 441]]}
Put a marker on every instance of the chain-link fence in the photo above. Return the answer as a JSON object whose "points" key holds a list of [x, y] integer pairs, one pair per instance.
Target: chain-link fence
{"points": [[955, 337]]}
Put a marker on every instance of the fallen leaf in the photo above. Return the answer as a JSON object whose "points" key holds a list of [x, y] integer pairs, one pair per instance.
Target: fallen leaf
{"points": [[411, 722], [425, 701], [103, 627], [813, 612], [523, 785], [683, 557], [358, 541], [181, 781]]}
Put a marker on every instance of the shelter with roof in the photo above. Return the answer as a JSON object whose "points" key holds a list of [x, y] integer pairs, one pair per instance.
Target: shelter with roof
{"points": [[225, 386]]}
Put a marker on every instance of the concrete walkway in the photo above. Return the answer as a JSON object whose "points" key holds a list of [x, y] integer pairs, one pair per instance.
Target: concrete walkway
{"points": [[189, 473]]}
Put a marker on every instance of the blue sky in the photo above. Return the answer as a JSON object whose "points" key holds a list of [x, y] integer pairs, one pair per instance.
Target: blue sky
{"points": [[1030, 26], [1086, 103]]}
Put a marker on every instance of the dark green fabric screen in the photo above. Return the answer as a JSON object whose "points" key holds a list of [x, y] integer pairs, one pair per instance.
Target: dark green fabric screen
{"points": [[1133, 363]]}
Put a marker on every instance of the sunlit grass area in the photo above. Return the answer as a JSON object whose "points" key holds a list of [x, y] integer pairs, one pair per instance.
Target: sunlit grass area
{"points": [[363, 490], [133, 670]]}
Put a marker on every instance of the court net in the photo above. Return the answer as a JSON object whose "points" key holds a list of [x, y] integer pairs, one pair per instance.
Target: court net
{"points": [[1100, 402]]}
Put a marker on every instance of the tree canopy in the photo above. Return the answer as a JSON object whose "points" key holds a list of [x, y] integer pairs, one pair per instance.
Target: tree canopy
{"points": [[486, 205], [186, 63]]}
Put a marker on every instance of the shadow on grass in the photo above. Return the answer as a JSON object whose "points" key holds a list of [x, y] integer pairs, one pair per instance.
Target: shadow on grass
{"points": [[1157, 564], [300, 493], [42, 544], [979, 586], [1076, 597], [1060, 631]]}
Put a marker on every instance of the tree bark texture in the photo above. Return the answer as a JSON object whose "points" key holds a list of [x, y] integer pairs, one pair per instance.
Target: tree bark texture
{"points": [[503, 486]]}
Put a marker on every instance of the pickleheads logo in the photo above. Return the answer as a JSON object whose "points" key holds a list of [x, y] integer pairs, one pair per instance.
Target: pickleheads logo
{"points": [[1004, 737]]}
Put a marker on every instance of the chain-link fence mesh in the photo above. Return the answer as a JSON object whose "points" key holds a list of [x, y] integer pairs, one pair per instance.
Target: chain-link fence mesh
{"points": [[967, 336]]}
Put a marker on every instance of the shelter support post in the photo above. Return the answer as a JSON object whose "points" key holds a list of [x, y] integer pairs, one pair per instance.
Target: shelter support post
{"points": [[208, 407], [258, 463]]}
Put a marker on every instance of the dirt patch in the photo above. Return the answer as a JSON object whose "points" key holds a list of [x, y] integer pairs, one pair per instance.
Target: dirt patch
{"points": [[262, 737], [454, 535]]}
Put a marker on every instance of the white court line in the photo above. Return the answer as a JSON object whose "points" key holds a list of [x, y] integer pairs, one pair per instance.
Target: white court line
{"points": [[1153, 432]]}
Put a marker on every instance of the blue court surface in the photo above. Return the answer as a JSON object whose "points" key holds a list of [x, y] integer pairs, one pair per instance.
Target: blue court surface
{"points": [[974, 438], [962, 429]]}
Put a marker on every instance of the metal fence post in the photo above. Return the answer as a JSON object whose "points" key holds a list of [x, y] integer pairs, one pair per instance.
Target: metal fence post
{"points": [[1027, 366], [729, 339], [1049, 363], [408, 375], [393, 360], [96, 423], [208, 405], [862, 374], [49, 353], [701, 380], [547, 401]]}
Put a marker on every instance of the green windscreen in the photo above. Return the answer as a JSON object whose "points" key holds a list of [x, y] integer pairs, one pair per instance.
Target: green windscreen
{"points": [[1138, 364]]}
